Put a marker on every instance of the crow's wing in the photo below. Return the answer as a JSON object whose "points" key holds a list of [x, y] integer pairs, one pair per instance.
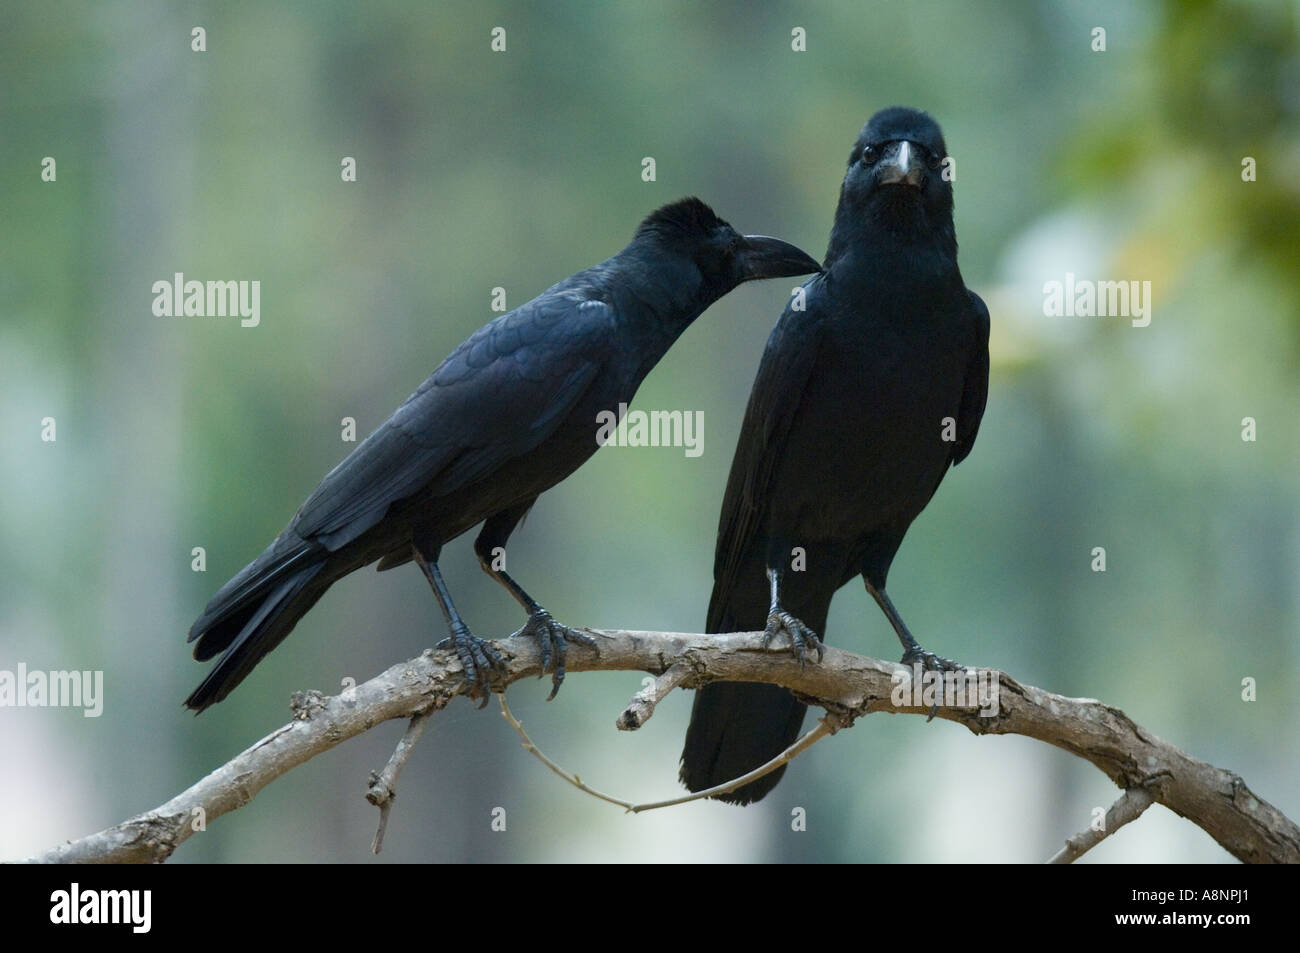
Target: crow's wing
{"points": [[975, 390], [779, 386], [497, 396]]}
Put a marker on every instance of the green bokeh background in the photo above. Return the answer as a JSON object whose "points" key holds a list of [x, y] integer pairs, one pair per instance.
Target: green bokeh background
{"points": [[515, 169]]}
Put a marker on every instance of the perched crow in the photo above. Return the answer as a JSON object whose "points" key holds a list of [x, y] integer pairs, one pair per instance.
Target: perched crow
{"points": [[861, 402], [511, 413]]}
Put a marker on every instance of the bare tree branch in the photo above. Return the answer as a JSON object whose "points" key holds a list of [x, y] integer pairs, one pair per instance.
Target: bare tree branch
{"points": [[846, 685], [642, 705], [1129, 807], [383, 785]]}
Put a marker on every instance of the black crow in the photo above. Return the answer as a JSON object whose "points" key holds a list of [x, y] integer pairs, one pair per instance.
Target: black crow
{"points": [[862, 401], [512, 412]]}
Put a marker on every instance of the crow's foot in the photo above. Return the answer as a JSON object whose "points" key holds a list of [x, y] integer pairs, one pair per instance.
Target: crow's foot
{"points": [[477, 657], [553, 639], [930, 662], [802, 638]]}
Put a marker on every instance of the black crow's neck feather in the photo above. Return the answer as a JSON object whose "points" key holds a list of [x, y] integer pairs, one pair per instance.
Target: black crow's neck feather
{"points": [[892, 220]]}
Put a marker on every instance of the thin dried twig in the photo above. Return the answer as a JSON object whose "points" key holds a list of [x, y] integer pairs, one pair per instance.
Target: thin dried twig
{"points": [[642, 705], [1129, 807], [383, 786], [825, 726]]}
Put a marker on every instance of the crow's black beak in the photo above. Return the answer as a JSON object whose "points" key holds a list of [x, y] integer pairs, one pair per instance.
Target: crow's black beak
{"points": [[763, 257], [901, 164]]}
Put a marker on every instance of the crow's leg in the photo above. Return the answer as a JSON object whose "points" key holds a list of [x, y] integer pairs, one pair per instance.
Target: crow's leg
{"points": [[552, 637], [476, 655], [912, 651], [802, 637]]}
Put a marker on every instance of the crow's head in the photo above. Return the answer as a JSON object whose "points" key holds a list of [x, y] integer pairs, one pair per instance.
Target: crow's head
{"points": [[897, 175], [689, 229]]}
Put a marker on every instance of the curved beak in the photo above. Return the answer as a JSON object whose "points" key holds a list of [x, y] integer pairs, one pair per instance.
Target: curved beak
{"points": [[900, 165], [763, 257]]}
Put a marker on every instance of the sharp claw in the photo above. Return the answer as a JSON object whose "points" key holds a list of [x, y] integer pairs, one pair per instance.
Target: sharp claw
{"points": [[555, 638], [553, 642], [477, 659], [801, 637], [929, 660], [545, 641], [558, 678]]}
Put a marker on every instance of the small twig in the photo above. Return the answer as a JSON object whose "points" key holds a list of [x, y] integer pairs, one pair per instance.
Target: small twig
{"points": [[383, 786], [642, 705], [1129, 807], [532, 749], [827, 725]]}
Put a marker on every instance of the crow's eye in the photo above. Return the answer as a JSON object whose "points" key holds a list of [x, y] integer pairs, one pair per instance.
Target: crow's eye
{"points": [[734, 245], [869, 155]]}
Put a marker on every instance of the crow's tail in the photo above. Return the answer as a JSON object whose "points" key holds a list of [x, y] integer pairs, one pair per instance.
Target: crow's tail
{"points": [[739, 726], [735, 728], [253, 613]]}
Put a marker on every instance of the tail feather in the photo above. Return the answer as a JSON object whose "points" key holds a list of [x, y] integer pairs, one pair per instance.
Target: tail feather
{"points": [[735, 728], [251, 615], [739, 726]]}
